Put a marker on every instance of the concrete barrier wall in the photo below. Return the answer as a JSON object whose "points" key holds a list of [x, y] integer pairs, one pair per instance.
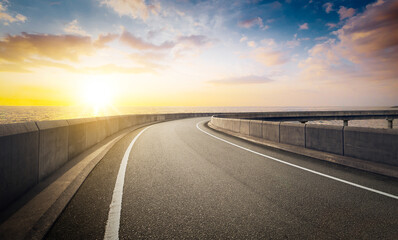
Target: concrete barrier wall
{"points": [[292, 133], [256, 128], [380, 145], [271, 131], [19, 160], [244, 127], [77, 137], [53, 146], [325, 138], [377, 145], [30, 152]]}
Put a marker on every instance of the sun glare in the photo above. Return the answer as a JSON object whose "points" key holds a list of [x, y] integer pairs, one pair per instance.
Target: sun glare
{"points": [[98, 95]]}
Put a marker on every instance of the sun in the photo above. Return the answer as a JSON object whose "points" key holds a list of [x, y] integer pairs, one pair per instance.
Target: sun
{"points": [[97, 94]]}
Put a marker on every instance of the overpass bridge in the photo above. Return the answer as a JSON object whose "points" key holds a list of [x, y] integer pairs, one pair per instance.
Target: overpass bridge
{"points": [[183, 179]]}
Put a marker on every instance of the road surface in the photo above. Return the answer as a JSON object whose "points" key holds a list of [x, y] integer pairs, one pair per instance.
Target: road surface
{"points": [[184, 180]]}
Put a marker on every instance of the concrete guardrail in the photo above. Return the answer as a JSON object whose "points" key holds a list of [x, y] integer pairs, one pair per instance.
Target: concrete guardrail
{"points": [[374, 145]]}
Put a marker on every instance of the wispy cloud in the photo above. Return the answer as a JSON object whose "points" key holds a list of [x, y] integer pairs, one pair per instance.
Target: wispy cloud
{"points": [[74, 28], [140, 44], [251, 22], [104, 39], [133, 8], [243, 39], [293, 43], [328, 7], [251, 44], [7, 17], [346, 12], [269, 56], [251, 79], [331, 25], [303, 26]]}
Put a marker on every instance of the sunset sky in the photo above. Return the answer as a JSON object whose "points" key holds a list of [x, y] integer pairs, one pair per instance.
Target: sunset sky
{"points": [[199, 53]]}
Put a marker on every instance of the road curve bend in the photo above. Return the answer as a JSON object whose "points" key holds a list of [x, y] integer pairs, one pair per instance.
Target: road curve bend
{"points": [[184, 180]]}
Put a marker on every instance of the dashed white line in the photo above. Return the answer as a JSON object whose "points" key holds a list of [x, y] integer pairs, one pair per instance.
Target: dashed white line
{"points": [[113, 223], [299, 167]]}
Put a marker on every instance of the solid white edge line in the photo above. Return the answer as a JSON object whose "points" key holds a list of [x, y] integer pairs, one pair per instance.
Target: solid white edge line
{"points": [[113, 223], [299, 167]]}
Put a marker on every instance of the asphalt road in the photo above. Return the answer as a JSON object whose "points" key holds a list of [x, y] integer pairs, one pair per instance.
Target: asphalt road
{"points": [[183, 183]]}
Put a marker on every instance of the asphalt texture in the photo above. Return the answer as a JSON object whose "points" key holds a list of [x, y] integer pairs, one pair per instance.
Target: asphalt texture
{"points": [[181, 183]]}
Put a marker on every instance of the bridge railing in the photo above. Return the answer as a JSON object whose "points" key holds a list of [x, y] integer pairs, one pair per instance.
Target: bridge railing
{"points": [[370, 144]]}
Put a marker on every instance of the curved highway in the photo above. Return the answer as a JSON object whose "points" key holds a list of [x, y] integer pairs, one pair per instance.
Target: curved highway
{"points": [[185, 180]]}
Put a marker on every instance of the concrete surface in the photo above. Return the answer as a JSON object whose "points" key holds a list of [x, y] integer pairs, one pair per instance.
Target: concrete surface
{"points": [[244, 127], [380, 145], [53, 146], [19, 160], [77, 137], [324, 138], [256, 128], [292, 133], [271, 131]]}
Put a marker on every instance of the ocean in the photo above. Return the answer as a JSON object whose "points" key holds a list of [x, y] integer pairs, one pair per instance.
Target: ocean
{"points": [[17, 114]]}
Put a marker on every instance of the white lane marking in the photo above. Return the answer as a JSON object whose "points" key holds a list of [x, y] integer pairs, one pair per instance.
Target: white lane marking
{"points": [[113, 223], [299, 167]]}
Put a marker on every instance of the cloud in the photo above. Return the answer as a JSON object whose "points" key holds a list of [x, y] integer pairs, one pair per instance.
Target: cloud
{"points": [[251, 44], [57, 47], [331, 25], [303, 26], [293, 43], [7, 17], [194, 40], [346, 12], [139, 44], [268, 42], [132, 8], [105, 39], [321, 38], [328, 7], [243, 39], [251, 22], [365, 49], [269, 56], [74, 28], [191, 45], [251, 79]]}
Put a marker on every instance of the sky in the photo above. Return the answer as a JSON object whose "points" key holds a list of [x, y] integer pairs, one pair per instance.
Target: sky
{"points": [[199, 53]]}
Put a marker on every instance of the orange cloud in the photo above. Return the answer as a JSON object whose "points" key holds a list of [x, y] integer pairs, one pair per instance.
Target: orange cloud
{"points": [[21, 53], [269, 56], [17, 48]]}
